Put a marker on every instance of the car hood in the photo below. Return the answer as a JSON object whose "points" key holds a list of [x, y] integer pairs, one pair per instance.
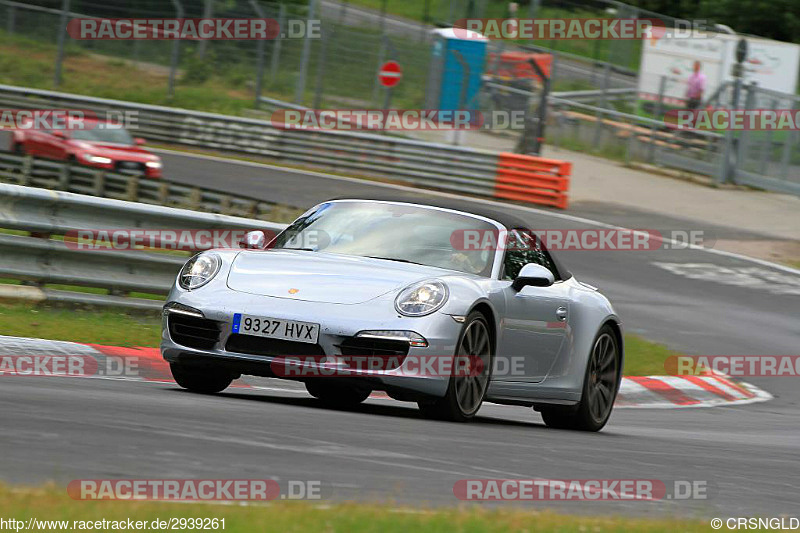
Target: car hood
{"points": [[322, 277]]}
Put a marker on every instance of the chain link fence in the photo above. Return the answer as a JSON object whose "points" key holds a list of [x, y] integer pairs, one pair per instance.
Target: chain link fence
{"points": [[337, 68]]}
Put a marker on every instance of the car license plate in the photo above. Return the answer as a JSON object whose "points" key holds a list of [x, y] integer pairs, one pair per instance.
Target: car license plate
{"points": [[275, 328]]}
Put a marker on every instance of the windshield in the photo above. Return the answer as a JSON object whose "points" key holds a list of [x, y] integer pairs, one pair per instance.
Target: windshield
{"points": [[403, 233], [102, 133]]}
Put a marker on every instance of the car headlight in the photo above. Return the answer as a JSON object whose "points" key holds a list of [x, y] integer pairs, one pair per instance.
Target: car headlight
{"points": [[100, 160], [421, 298], [199, 270], [153, 164]]}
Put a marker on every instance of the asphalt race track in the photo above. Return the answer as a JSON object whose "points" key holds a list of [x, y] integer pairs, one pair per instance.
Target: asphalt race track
{"points": [[63, 429]]}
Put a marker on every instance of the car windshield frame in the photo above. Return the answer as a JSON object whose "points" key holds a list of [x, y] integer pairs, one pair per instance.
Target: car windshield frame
{"points": [[102, 126], [495, 261]]}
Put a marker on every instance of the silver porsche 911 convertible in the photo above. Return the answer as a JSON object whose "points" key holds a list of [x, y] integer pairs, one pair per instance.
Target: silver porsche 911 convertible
{"points": [[433, 303]]}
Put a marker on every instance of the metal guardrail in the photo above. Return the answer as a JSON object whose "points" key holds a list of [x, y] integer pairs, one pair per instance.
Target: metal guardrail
{"points": [[641, 138], [437, 166], [42, 259], [34, 172], [596, 95]]}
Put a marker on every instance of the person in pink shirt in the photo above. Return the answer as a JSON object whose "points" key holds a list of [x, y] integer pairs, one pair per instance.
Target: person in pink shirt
{"points": [[695, 88]]}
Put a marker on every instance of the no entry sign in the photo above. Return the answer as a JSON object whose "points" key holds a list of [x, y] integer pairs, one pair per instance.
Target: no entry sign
{"points": [[390, 73]]}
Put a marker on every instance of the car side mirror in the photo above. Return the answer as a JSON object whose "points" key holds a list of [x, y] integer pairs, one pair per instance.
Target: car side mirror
{"points": [[58, 134], [253, 240], [534, 275], [139, 141]]}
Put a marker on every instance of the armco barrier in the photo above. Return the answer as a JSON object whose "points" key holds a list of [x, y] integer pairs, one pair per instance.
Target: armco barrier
{"points": [[41, 260], [532, 179], [438, 166], [53, 175]]}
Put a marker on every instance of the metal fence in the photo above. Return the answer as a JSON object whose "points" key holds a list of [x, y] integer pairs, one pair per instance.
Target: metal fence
{"points": [[34, 172], [46, 258], [334, 67], [767, 159], [438, 166]]}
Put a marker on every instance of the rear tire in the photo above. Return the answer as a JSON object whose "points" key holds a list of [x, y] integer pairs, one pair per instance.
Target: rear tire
{"points": [[336, 395], [600, 384], [465, 394], [204, 380]]}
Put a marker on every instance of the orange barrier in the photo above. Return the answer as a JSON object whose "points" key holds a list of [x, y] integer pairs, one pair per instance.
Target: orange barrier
{"points": [[514, 65], [532, 179]]}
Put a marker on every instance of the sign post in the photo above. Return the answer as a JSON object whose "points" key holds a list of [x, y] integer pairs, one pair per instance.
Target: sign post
{"points": [[730, 155], [389, 75]]}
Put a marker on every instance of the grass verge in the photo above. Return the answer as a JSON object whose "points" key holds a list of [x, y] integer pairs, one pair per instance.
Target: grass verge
{"points": [[80, 325], [52, 503], [642, 357]]}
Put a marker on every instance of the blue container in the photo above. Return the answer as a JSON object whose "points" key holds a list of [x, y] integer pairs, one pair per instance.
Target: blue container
{"points": [[447, 75]]}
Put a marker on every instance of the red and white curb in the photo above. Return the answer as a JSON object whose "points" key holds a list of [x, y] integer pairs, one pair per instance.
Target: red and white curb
{"points": [[653, 392], [669, 392]]}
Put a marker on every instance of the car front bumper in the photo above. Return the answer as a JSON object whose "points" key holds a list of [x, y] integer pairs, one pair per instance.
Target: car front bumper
{"points": [[338, 322]]}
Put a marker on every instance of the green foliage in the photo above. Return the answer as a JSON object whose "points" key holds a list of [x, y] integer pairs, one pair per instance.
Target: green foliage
{"points": [[197, 70], [776, 19]]}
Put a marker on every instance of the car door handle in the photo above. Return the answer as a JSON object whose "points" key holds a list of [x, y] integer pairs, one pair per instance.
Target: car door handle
{"points": [[561, 313]]}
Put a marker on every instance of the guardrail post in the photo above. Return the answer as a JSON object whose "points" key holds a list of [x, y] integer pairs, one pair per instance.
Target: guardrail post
{"points": [[225, 205], [195, 198], [100, 183], [26, 170], [64, 174], [132, 190], [163, 194]]}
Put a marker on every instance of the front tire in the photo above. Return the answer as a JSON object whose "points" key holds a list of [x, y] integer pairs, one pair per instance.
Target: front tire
{"points": [[336, 395], [600, 385], [204, 380], [465, 393]]}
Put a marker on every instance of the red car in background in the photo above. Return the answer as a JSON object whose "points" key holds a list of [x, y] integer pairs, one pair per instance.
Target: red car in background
{"points": [[99, 145]]}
